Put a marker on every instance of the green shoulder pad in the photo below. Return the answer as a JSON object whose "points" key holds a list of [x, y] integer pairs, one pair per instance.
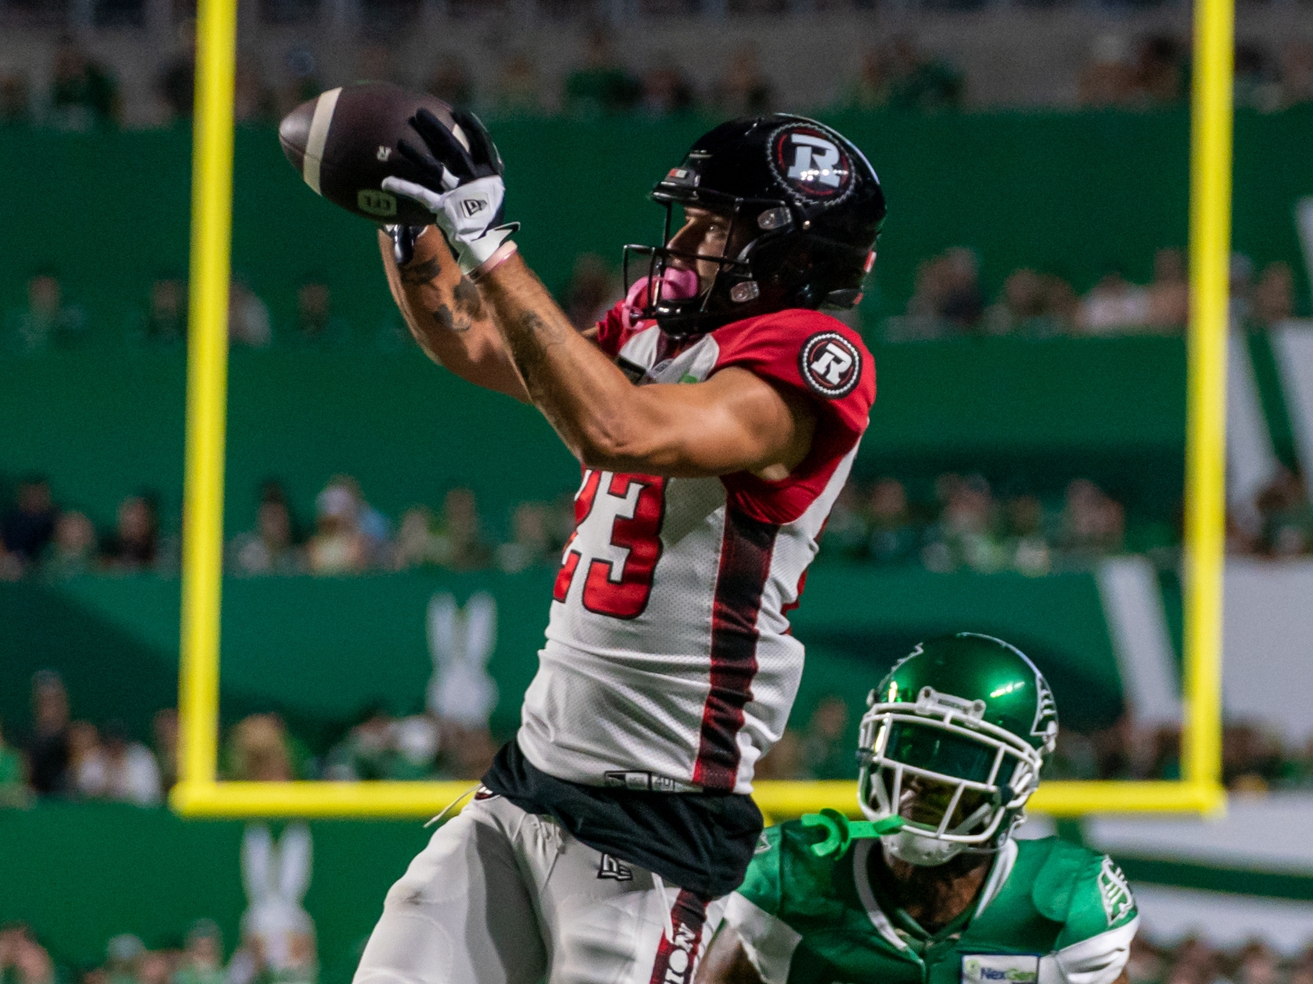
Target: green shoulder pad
{"points": [[1084, 891], [1051, 891]]}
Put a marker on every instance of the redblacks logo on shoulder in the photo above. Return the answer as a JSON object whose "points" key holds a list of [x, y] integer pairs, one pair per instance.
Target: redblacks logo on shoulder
{"points": [[810, 163], [830, 365]]}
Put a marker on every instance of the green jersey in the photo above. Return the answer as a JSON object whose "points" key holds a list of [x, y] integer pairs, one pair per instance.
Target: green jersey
{"points": [[1048, 913]]}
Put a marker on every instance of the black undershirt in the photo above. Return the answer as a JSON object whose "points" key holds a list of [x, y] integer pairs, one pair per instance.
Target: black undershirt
{"points": [[701, 842]]}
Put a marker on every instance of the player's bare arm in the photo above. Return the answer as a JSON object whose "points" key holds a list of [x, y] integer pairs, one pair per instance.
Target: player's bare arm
{"points": [[733, 422], [726, 961], [444, 312]]}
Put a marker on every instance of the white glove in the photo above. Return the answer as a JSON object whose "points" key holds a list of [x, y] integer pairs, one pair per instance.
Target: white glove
{"points": [[465, 215], [461, 184]]}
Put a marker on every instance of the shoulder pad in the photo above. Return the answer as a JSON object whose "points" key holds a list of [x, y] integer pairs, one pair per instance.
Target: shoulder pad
{"points": [[1056, 881], [1083, 890]]}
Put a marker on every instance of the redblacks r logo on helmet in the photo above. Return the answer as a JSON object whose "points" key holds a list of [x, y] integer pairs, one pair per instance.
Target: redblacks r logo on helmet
{"points": [[830, 364], [810, 163]]}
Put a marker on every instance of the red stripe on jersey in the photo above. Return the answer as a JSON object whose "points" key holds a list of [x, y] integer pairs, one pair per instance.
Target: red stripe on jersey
{"points": [[677, 955], [745, 557]]}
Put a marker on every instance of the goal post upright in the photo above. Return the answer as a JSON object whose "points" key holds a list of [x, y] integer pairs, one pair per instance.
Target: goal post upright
{"points": [[1211, 137], [200, 794], [207, 385]]}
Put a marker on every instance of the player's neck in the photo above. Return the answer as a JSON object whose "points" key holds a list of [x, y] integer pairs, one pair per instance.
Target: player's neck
{"points": [[933, 896]]}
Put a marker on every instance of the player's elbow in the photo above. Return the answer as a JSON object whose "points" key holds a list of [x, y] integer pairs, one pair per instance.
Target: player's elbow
{"points": [[611, 445], [603, 451]]}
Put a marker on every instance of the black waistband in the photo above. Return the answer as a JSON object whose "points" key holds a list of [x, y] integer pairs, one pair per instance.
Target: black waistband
{"points": [[701, 842]]}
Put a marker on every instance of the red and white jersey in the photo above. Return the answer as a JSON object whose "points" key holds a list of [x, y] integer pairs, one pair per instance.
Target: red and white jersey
{"points": [[669, 664]]}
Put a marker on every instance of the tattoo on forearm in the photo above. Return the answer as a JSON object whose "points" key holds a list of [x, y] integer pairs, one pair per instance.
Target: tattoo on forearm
{"points": [[445, 319], [529, 342], [467, 298], [419, 274]]}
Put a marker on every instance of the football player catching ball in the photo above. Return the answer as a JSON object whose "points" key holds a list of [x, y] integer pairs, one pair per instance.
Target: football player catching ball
{"points": [[952, 745], [716, 413]]}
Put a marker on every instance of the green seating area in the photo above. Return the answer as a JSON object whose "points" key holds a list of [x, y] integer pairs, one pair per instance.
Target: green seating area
{"points": [[1068, 193], [1112, 410]]}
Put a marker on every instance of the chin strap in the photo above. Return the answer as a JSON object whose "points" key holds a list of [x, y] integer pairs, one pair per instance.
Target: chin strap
{"points": [[840, 831]]}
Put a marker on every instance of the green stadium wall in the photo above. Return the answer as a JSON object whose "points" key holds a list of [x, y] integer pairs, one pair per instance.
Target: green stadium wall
{"points": [[1073, 193], [103, 425], [322, 650]]}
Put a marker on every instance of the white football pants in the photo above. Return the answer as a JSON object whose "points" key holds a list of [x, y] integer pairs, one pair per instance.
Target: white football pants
{"points": [[501, 896]]}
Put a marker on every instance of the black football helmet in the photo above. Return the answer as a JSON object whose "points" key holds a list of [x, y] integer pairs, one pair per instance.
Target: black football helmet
{"points": [[812, 198]]}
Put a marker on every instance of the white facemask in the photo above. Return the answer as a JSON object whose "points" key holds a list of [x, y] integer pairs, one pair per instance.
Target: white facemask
{"points": [[919, 849]]}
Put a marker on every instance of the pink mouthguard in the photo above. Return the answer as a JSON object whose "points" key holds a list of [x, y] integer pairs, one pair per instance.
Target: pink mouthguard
{"points": [[676, 285]]}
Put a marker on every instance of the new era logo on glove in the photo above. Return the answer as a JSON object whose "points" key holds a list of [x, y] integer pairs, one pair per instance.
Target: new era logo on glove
{"points": [[472, 206]]}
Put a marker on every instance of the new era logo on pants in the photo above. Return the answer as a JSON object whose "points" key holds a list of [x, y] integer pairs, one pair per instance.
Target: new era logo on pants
{"points": [[614, 870]]}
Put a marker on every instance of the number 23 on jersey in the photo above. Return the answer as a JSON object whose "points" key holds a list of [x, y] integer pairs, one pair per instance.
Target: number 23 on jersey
{"points": [[618, 532]]}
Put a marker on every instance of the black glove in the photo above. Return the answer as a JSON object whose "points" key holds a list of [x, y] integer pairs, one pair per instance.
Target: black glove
{"points": [[462, 187], [444, 159], [403, 241]]}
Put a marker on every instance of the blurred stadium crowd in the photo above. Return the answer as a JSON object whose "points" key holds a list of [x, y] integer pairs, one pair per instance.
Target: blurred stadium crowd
{"points": [[81, 92], [948, 301], [960, 522], [64, 758]]}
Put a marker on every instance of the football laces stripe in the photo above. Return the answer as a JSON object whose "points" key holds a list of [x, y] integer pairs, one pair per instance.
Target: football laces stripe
{"points": [[314, 145]]}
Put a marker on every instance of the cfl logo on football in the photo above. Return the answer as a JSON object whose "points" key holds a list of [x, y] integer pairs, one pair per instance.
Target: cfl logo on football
{"points": [[376, 202]]}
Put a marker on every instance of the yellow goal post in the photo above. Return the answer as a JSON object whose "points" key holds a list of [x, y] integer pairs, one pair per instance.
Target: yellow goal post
{"points": [[199, 793]]}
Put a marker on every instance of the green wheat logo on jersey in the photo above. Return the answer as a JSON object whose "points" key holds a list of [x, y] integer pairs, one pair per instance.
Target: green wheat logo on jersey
{"points": [[1115, 893]]}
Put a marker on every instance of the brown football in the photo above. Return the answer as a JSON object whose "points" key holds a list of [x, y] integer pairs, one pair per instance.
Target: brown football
{"points": [[344, 143]]}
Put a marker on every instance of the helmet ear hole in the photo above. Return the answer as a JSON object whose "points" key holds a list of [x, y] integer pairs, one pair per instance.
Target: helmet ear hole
{"points": [[788, 266]]}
